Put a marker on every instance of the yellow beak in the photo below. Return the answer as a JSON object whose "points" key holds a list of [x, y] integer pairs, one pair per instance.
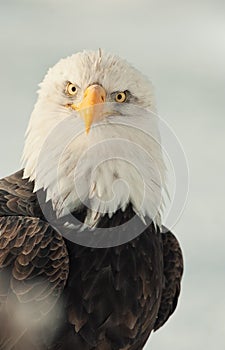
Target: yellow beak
{"points": [[93, 95]]}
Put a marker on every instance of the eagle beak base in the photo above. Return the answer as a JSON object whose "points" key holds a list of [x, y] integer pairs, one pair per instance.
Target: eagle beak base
{"points": [[91, 105]]}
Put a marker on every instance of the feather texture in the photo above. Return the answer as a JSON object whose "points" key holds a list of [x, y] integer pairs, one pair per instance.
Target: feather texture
{"points": [[74, 297]]}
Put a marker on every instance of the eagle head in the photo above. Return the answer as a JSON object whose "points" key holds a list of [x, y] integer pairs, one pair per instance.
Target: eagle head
{"points": [[93, 139]]}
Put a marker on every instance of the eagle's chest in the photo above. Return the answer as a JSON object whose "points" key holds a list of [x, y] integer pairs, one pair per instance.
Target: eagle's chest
{"points": [[116, 289]]}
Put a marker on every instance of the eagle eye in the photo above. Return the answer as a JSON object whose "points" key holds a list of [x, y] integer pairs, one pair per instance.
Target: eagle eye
{"points": [[71, 89], [121, 97]]}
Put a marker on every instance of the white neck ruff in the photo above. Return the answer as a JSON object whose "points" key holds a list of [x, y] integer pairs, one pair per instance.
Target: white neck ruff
{"points": [[119, 162]]}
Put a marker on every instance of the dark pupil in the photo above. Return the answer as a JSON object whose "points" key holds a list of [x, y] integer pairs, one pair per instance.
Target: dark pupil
{"points": [[119, 97], [73, 88]]}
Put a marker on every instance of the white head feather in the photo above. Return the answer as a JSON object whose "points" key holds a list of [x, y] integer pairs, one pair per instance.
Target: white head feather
{"points": [[118, 162]]}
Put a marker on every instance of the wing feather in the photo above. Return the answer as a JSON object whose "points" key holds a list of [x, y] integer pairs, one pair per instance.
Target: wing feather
{"points": [[34, 267], [173, 271]]}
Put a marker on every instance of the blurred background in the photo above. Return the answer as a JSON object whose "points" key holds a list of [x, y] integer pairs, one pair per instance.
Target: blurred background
{"points": [[180, 46]]}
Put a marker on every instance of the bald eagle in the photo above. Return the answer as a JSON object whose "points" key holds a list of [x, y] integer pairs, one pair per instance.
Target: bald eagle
{"points": [[85, 262]]}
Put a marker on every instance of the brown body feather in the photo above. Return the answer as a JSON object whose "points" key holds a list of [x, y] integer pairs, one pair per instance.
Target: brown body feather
{"points": [[55, 294]]}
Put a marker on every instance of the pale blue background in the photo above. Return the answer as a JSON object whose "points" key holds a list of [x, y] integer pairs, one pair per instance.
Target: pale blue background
{"points": [[180, 45]]}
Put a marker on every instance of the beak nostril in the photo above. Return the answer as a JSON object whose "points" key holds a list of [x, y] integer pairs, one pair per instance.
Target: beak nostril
{"points": [[103, 98]]}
